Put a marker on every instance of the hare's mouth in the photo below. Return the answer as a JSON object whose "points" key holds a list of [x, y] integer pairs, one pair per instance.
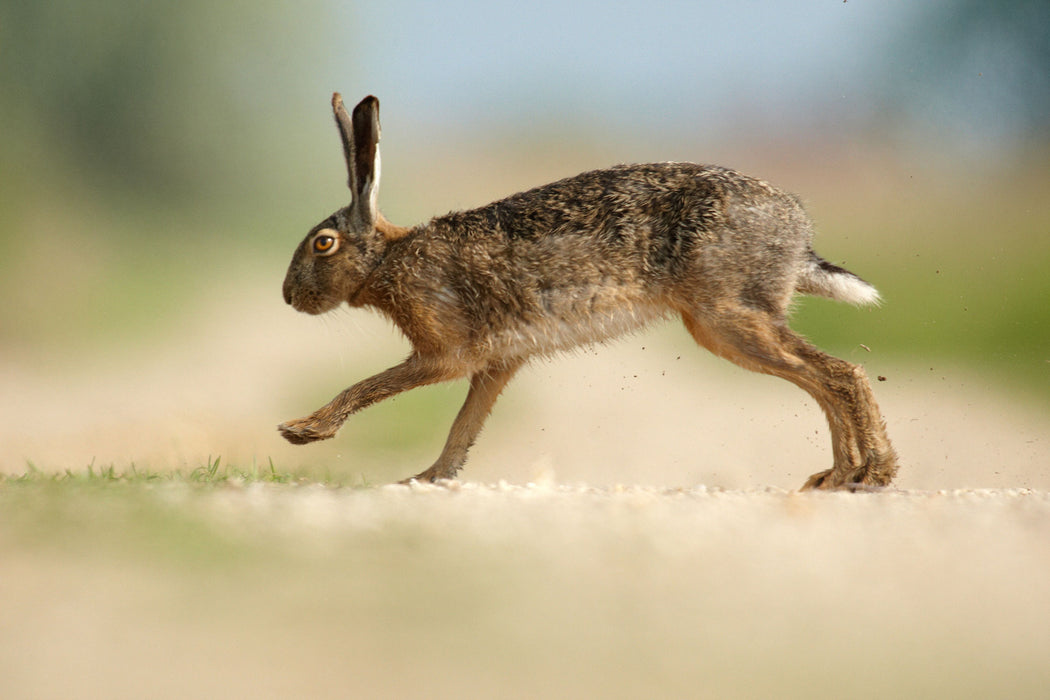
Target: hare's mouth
{"points": [[312, 304]]}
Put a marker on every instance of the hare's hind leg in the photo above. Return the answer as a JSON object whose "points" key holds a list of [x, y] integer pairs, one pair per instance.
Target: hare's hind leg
{"points": [[485, 388], [762, 342]]}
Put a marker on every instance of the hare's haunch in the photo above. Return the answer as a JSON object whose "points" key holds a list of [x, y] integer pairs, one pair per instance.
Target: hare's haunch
{"points": [[579, 261]]}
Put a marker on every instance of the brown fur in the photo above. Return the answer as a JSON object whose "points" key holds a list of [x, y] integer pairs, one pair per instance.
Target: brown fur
{"points": [[579, 261], [390, 231]]}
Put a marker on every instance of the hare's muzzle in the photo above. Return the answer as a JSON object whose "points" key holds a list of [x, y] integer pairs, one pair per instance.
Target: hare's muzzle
{"points": [[287, 289]]}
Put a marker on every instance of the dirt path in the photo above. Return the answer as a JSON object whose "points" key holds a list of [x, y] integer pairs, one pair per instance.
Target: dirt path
{"points": [[524, 592]]}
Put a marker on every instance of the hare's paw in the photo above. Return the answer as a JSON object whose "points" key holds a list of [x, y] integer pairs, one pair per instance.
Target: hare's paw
{"points": [[304, 430], [430, 476], [851, 479], [818, 481]]}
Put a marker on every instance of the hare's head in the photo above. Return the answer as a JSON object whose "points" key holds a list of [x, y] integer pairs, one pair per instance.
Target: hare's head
{"points": [[333, 262]]}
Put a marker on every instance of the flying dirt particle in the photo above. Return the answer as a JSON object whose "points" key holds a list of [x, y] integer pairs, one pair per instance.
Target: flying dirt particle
{"points": [[881, 378]]}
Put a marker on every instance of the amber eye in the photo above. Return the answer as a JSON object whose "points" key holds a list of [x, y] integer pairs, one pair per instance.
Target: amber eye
{"points": [[325, 244]]}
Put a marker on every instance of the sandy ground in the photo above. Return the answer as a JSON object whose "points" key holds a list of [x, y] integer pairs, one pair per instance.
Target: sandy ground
{"points": [[541, 591], [644, 540]]}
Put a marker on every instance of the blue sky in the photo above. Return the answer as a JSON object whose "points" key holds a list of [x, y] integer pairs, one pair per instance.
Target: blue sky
{"points": [[667, 64]]}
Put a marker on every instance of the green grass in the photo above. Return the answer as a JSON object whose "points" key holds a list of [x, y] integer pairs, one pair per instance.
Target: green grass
{"points": [[962, 275], [212, 473], [162, 517]]}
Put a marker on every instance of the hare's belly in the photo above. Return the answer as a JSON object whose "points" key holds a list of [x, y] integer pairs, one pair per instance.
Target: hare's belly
{"points": [[568, 321]]}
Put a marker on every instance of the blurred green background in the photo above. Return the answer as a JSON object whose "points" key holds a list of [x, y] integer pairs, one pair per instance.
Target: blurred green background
{"points": [[160, 158]]}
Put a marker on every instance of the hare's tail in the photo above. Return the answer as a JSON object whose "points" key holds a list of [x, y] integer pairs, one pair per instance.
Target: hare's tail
{"points": [[821, 278]]}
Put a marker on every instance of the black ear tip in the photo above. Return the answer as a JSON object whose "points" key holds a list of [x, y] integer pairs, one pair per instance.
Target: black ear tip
{"points": [[370, 103]]}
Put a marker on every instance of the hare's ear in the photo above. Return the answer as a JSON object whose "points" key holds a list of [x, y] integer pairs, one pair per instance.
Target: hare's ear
{"points": [[360, 135]]}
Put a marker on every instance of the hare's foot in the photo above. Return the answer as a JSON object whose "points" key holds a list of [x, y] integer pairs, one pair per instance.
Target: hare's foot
{"points": [[431, 475], [848, 479], [304, 430], [816, 481], [877, 471], [867, 477]]}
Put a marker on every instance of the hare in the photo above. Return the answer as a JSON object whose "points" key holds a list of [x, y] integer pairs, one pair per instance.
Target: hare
{"points": [[579, 261]]}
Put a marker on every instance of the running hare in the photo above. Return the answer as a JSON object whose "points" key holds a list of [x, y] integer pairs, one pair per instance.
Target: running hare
{"points": [[579, 261]]}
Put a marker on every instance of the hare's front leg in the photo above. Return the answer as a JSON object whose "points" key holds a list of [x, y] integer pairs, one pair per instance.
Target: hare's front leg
{"points": [[325, 421], [485, 388]]}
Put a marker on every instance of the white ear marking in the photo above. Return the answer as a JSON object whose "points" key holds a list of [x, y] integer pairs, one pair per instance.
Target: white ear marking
{"points": [[373, 187]]}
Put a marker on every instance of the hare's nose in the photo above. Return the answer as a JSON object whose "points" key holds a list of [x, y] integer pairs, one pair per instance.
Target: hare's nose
{"points": [[287, 289]]}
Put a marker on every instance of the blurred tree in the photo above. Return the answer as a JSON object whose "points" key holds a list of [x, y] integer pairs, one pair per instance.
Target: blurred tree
{"points": [[152, 96], [980, 64]]}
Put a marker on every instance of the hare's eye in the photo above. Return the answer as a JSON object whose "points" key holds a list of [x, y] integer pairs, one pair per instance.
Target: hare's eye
{"points": [[325, 244]]}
